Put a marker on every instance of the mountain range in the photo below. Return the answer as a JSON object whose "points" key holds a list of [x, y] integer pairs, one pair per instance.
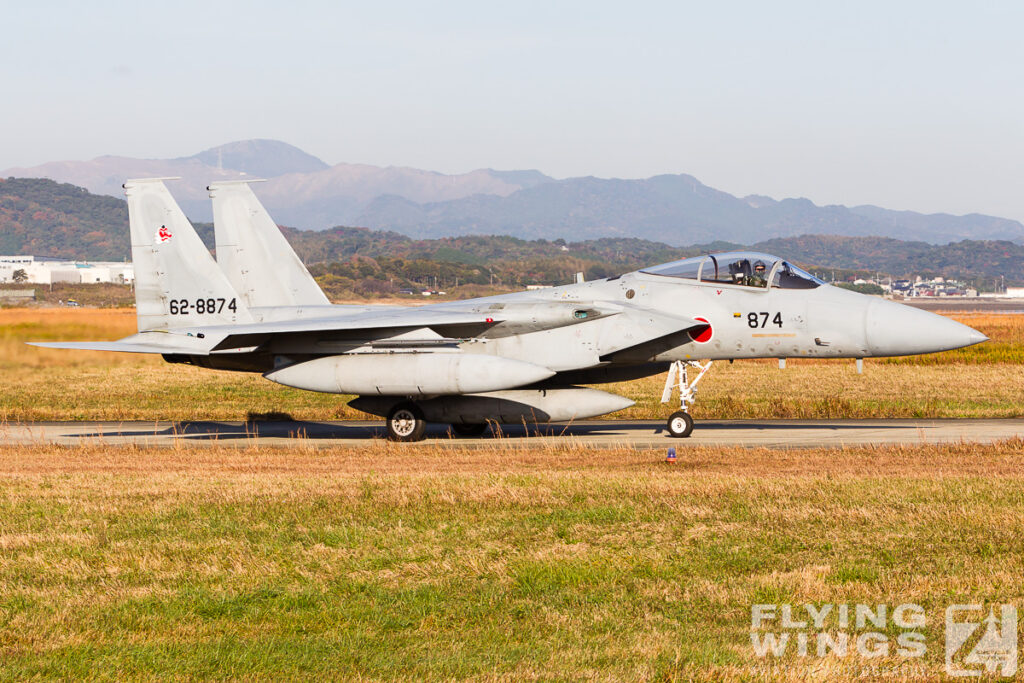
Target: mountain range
{"points": [[303, 191], [45, 218]]}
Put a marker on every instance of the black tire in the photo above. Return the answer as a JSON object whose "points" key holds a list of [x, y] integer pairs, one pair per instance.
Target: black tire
{"points": [[476, 429], [406, 423], [679, 425]]}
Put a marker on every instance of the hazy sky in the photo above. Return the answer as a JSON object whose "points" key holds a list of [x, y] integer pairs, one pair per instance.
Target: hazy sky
{"points": [[915, 105]]}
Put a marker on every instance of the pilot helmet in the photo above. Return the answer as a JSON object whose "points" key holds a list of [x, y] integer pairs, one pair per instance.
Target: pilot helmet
{"points": [[759, 267]]}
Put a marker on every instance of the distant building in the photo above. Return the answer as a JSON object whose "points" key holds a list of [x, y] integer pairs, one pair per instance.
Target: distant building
{"points": [[50, 271], [17, 295], [935, 287]]}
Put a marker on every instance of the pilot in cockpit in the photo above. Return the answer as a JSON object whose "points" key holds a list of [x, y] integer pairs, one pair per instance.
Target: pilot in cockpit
{"points": [[760, 276]]}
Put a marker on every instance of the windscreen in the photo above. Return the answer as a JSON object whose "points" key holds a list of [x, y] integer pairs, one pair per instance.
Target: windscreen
{"points": [[789, 276]]}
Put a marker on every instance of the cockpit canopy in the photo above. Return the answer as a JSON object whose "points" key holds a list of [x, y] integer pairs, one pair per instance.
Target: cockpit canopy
{"points": [[744, 268]]}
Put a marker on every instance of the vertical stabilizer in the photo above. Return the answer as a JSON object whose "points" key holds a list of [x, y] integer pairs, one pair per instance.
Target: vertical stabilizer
{"points": [[177, 282], [254, 255]]}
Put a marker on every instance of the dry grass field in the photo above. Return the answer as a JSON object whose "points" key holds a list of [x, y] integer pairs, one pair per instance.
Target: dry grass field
{"points": [[518, 561], [41, 384], [526, 563]]}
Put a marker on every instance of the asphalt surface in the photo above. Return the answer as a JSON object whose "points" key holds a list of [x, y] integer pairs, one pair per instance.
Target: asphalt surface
{"points": [[592, 433]]}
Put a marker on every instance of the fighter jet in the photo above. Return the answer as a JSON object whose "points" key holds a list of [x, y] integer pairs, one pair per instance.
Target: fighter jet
{"points": [[509, 358]]}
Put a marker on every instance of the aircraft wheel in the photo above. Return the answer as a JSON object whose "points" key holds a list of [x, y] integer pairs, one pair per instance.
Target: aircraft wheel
{"points": [[476, 429], [680, 424], [406, 423]]}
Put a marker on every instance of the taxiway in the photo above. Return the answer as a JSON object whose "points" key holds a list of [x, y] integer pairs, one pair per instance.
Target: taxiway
{"points": [[592, 433]]}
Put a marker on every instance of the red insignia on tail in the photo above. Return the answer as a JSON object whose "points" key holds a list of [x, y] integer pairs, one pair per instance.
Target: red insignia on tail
{"points": [[163, 234]]}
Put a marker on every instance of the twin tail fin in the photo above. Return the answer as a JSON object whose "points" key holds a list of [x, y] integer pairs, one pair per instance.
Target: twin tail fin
{"points": [[177, 282]]}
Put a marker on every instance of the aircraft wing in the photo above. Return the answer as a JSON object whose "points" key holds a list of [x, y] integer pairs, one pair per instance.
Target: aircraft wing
{"points": [[123, 346], [448, 323], [214, 339], [144, 342], [254, 333], [450, 320]]}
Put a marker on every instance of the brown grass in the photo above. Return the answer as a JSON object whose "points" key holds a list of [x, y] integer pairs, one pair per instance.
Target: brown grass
{"points": [[523, 562], [307, 460]]}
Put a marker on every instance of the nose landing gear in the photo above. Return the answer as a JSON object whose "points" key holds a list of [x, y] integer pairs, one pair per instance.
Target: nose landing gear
{"points": [[680, 423]]}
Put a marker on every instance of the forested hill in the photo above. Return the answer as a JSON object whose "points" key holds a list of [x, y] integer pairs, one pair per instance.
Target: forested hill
{"points": [[44, 218], [967, 258], [343, 243]]}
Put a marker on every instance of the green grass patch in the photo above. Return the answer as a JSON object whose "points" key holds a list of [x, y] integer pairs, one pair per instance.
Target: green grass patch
{"points": [[222, 564]]}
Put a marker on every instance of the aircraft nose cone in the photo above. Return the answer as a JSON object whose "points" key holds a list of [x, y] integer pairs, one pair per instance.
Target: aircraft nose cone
{"points": [[896, 330]]}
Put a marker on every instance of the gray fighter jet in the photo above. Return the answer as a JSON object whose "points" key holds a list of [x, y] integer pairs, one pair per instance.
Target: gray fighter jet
{"points": [[509, 358]]}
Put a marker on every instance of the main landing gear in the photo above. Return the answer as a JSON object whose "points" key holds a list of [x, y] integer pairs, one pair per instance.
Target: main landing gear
{"points": [[406, 423], [680, 423]]}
